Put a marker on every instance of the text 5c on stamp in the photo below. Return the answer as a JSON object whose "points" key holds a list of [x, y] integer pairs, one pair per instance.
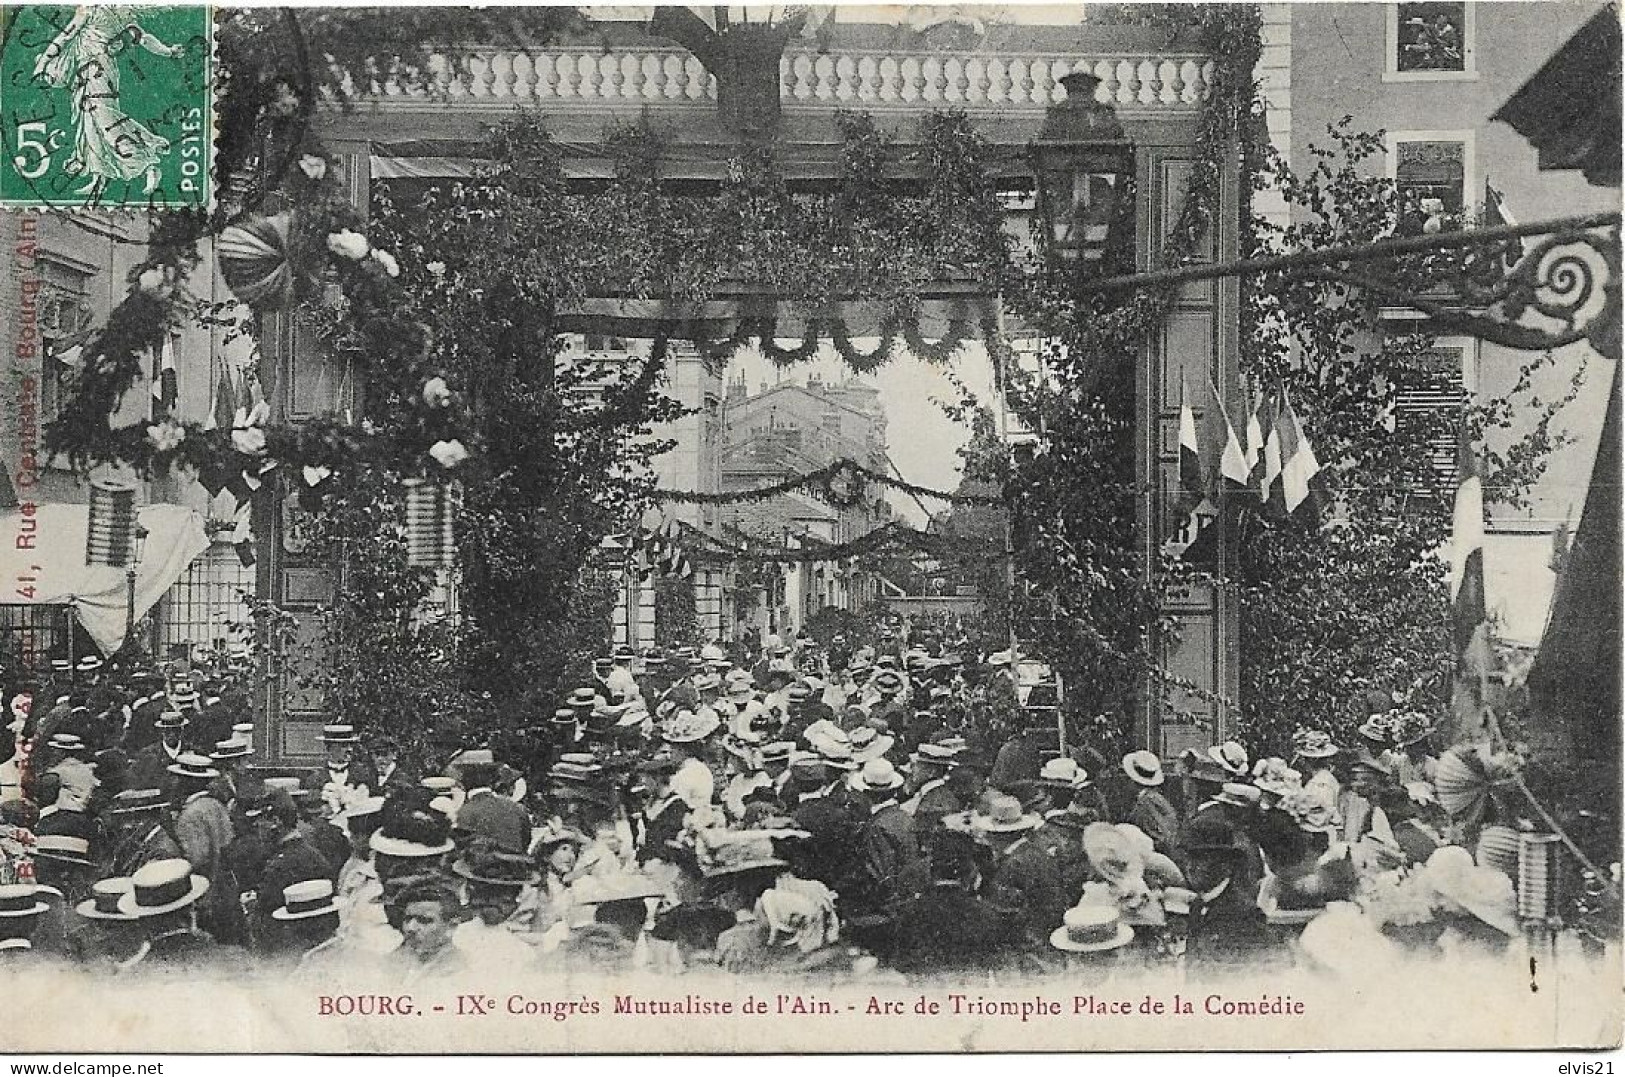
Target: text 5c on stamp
{"points": [[106, 106]]}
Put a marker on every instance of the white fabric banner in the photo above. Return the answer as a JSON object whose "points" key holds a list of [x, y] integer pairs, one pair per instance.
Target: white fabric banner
{"points": [[42, 563]]}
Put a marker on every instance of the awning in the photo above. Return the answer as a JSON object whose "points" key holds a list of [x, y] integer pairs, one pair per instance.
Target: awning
{"points": [[53, 572]]}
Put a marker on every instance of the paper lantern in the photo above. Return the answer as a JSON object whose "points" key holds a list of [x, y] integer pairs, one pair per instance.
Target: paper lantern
{"points": [[428, 524], [110, 537], [1539, 859], [1498, 848], [254, 261]]}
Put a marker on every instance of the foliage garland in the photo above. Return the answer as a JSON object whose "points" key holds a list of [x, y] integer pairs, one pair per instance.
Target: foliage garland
{"points": [[819, 482]]}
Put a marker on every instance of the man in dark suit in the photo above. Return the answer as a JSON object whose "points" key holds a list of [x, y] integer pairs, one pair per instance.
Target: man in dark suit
{"points": [[1226, 927], [275, 818], [485, 814], [1024, 884], [346, 776]]}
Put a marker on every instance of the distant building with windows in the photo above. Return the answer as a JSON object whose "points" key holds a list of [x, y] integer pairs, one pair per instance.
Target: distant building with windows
{"points": [[784, 431]]}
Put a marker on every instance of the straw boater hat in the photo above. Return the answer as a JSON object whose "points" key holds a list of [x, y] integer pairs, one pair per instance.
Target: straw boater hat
{"points": [[339, 734], [1064, 773], [66, 743], [1239, 795], [232, 748], [193, 765], [777, 751], [869, 744], [877, 776], [162, 886], [104, 898], [740, 692], [182, 694], [1313, 744], [583, 699], [1091, 928], [22, 899], [1231, 756], [941, 755], [305, 900], [1004, 815], [686, 726], [67, 848], [362, 809], [170, 720], [88, 664], [136, 801], [1143, 768], [707, 682]]}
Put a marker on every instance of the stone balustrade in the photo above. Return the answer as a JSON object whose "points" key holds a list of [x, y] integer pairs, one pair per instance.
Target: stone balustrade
{"points": [[839, 79]]}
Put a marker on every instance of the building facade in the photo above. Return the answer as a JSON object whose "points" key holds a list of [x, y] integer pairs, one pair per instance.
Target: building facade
{"points": [[1429, 76]]}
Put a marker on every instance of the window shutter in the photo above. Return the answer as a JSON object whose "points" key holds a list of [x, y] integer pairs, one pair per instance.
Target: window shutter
{"points": [[1434, 402]]}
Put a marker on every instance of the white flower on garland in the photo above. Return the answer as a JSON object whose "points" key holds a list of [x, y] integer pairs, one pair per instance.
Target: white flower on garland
{"points": [[151, 280], [248, 429], [348, 244], [387, 260], [313, 166], [166, 436], [315, 476], [436, 393], [448, 454], [437, 269]]}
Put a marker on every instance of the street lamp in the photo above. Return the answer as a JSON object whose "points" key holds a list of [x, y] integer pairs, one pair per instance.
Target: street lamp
{"points": [[1083, 161]]}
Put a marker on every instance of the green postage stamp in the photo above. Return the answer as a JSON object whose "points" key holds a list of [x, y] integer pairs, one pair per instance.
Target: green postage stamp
{"points": [[107, 106]]}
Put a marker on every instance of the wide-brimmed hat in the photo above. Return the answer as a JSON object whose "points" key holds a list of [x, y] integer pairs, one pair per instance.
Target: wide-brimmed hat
{"points": [[564, 716], [1091, 928], [1113, 854], [473, 757], [1239, 794], [170, 720], [1378, 729], [362, 808], [888, 681], [941, 755], [1144, 768], [497, 868], [741, 692], [340, 734], [686, 726], [438, 784], [552, 836], [1273, 776], [1196, 765], [133, 801], [1004, 815], [1231, 756], [583, 699], [868, 743], [104, 898], [88, 664], [68, 848], [66, 743], [1411, 727], [305, 900], [21, 899], [231, 748], [193, 765], [162, 886], [623, 653], [732, 852], [707, 682], [877, 775], [776, 752], [798, 693], [1314, 744], [415, 834], [1064, 773]]}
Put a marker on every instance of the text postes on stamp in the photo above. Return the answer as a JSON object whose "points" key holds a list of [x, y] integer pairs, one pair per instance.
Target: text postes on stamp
{"points": [[106, 106]]}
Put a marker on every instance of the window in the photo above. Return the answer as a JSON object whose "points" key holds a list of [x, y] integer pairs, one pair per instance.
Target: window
{"points": [[65, 325], [1430, 42], [1433, 173], [1429, 406]]}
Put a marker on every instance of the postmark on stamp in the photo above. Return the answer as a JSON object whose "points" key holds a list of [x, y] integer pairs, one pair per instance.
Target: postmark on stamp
{"points": [[106, 106]]}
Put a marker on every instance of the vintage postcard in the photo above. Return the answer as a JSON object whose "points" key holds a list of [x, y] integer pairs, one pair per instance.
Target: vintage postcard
{"points": [[822, 528]]}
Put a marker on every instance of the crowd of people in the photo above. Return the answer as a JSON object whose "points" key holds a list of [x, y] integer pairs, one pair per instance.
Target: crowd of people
{"points": [[835, 813]]}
